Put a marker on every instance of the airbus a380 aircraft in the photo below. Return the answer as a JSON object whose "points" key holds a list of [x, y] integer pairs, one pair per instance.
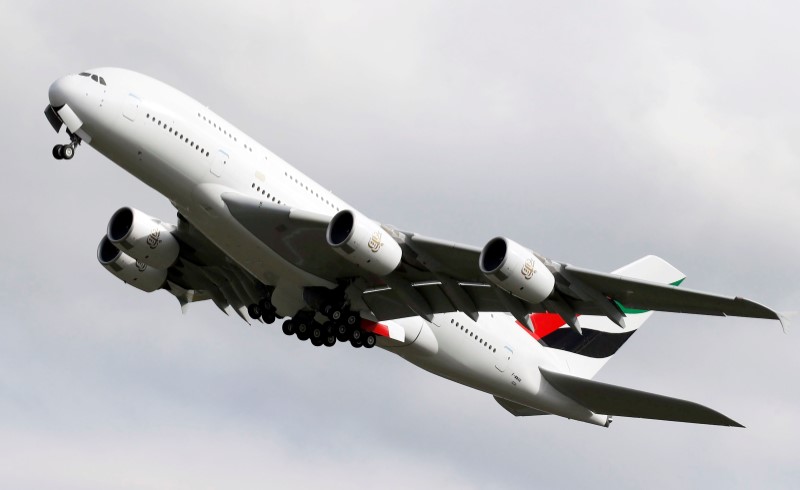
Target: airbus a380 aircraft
{"points": [[257, 236]]}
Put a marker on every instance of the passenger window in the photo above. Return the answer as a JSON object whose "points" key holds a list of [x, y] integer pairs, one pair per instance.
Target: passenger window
{"points": [[102, 81]]}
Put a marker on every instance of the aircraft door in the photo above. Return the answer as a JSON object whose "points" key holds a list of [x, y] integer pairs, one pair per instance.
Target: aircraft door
{"points": [[219, 162], [503, 357], [131, 107]]}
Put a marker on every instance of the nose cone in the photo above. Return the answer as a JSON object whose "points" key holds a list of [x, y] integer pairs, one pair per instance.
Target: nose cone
{"points": [[62, 90]]}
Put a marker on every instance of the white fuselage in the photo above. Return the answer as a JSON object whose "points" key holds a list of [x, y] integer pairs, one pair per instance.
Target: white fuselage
{"points": [[192, 156]]}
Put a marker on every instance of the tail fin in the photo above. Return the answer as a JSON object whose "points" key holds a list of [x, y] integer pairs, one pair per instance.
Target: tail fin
{"points": [[584, 355]]}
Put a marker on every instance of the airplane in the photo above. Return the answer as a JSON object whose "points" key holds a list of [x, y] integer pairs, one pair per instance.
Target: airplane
{"points": [[259, 238]]}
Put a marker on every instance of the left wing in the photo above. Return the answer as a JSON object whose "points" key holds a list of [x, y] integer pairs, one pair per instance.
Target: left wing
{"points": [[437, 276]]}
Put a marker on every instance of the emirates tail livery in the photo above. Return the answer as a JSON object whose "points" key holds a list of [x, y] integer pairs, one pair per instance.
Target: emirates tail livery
{"points": [[257, 236]]}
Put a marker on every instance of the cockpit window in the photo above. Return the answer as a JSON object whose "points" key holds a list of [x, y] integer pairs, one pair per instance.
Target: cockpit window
{"points": [[96, 78]]}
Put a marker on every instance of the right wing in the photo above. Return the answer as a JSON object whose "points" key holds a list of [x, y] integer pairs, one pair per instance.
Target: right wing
{"points": [[438, 276]]}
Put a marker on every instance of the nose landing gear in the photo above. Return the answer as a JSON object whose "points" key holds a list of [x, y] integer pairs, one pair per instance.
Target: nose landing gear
{"points": [[66, 152]]}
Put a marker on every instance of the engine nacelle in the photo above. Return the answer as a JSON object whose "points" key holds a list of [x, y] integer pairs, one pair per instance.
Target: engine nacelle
{"points": [[516, 270], [364, 243], [143, 237], [137, 274]]}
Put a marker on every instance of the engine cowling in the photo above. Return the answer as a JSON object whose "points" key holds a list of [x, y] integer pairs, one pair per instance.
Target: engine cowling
{"points": [[364, 243], [516, 270], [137, 274], [143, 237]]}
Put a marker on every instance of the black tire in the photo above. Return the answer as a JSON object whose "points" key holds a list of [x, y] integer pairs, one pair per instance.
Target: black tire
{"points": [[351, 319], [370, 340], [357, 334], [67, 152], [268, 317], [336, 314], [330, 341], [317, 341], [303, 329], [342, 333], [317, 333], [289, 327], [355, 343], [254, 311], [265, 305], [57, 152]]}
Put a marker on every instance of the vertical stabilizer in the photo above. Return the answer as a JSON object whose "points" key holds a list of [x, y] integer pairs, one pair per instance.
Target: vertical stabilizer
{"points": [[585, 354]]}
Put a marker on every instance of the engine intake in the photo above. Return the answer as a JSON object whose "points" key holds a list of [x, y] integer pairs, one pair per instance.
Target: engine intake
{"points": [[137, 274], [516, 270], [364, 243], [143, 237]]}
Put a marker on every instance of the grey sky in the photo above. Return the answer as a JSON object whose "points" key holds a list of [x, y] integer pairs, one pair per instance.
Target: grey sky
{"points": [[594, 133]]}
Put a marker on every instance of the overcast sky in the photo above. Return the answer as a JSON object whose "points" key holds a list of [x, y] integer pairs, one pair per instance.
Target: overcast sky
{"points": [[593, 132]]}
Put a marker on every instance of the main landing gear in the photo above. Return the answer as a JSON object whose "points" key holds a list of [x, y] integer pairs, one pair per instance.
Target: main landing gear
{"points": [[66, 152], [263, 310], [346, 327], [343, 325]]}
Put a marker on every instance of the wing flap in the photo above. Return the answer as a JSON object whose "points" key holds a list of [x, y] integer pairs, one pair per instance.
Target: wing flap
{"points": [[609, 399], [387, 304]]}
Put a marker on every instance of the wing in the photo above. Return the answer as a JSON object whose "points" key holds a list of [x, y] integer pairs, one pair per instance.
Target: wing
{"points": [[437, 276], [203, 272]]}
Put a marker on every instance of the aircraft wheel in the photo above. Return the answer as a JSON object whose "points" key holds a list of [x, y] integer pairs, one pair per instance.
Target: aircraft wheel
{"points": [[369, 341], [265, 305], [57, 152], [254, 311], [317, 337], [355, 343], [268, 317], [330, 341], [342, 332], [67, 152], [351, 319], [357, 334], [288, 327], [303, 330]]}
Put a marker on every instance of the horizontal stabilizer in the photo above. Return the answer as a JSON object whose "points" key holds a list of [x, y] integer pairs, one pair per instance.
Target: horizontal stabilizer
{"points": [[609, 399], [518, 410]]}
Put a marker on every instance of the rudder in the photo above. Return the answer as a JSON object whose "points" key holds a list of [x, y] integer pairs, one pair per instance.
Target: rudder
{"points": [[584, 355]]}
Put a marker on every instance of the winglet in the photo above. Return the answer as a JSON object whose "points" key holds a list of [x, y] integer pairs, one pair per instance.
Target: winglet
{"points": [[784, 319]]}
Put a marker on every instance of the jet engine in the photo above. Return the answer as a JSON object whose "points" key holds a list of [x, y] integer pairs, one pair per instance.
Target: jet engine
{"points": [[364, 243], [137, 274], [516, 270], [143, 237]]}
